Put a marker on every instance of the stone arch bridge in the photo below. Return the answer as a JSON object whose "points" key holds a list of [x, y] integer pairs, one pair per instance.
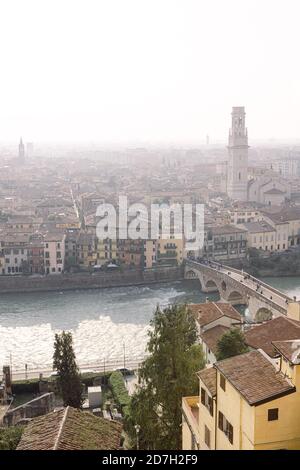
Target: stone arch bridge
{"points": [[237, 287]]}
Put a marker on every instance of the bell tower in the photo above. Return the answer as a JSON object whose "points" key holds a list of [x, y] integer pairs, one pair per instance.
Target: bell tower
{"points": [[21, 151], [237, 174]]}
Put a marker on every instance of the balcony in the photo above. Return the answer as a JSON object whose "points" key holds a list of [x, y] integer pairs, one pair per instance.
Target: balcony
{"points": [[190, 411]]}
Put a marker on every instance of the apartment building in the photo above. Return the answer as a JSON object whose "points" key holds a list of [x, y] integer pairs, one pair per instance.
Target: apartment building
{"points": [[106, 251], [287, 223], [36, 258], [54, 252], [170, 249], [15, 252], [86, 249], [224, 242], [246, 402], [262, 236], [243, 215]]}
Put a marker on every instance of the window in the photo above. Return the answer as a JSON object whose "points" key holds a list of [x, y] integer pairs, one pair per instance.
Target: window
{"points": [[229, 432], [222, 383], [273, 414], [207, 401], [207, 436], [203, 396], [220, 421], [226, 427]]}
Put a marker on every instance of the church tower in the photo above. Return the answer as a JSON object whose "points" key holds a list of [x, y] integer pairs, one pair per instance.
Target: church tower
{"points": [[237, 170], [21, 151]]}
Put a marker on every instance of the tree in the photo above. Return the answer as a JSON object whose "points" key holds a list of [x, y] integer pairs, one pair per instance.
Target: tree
{"points": [[231, 344], [167, 375], [64, 362], [10, 437]]}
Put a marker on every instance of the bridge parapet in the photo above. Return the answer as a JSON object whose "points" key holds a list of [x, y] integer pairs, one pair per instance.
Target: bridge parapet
{"points": [[236, 287]]}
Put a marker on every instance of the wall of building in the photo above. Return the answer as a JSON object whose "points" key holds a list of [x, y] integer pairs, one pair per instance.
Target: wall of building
{"points": [[283, 433], [206, 419], [239, 414]]}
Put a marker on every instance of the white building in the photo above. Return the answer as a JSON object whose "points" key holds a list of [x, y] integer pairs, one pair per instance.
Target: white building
{"points": [[288, 167], [14, 254], [54, 253]]}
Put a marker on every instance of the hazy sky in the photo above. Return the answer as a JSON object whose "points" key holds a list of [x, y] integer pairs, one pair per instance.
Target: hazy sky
{"points": [[148, 70]]}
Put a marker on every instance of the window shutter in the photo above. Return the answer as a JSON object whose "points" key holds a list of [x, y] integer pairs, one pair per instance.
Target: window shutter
{"points": [[202, 396], [210, 405], [230, 433], [221, 420]]}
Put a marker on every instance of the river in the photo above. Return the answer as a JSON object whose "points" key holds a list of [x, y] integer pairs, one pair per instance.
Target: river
{"points": [[102, 321]]}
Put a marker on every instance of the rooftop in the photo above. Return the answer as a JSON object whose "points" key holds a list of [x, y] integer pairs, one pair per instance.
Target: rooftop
{"points": [[212, 336], [255, 377], [290, 349], [71, 429], [279, 329], [226, 229], [254, 227], [209, 378], [274, 191], [211, 311], [286, 214]]}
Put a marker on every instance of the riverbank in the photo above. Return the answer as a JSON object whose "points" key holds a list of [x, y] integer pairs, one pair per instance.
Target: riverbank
{"points": [[81, 281], [285, 264]]}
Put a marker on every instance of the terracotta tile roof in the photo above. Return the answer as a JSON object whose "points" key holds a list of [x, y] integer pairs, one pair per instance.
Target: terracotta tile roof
{"points": [[211, 311], [71, 429], [289, 349], [279, 329], [254, 377], [209, 378], [212, 336]]}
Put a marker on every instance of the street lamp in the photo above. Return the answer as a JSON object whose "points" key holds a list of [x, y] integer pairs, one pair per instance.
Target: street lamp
{"points": [[137, 430]]}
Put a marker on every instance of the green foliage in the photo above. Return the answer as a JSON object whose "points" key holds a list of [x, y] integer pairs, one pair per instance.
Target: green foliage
{"points": [[231, 344], [167, 375], [25, 386], [119, 390], [10, 437], [64, 362]]}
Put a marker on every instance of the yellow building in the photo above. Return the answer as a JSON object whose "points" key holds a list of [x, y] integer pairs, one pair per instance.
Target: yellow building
{"points": [[106, 251], [86, 252], [170, 250], [246, 402]]}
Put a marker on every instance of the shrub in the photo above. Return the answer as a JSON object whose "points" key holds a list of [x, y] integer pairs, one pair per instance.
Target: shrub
{"points": [[10, 437], [25, 386], [119, 390]]}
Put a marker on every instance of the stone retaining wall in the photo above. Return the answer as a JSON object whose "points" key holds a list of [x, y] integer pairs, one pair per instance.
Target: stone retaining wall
{"points": [[62, 282]]}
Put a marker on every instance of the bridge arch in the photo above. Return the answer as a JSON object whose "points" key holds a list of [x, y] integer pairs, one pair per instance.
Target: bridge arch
{"points": [[235, 298], [194, 275], [191, 274], [263, 314], [211, 285]]}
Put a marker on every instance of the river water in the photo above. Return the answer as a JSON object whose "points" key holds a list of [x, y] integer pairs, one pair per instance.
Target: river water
{"points": [[102, 321]]}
